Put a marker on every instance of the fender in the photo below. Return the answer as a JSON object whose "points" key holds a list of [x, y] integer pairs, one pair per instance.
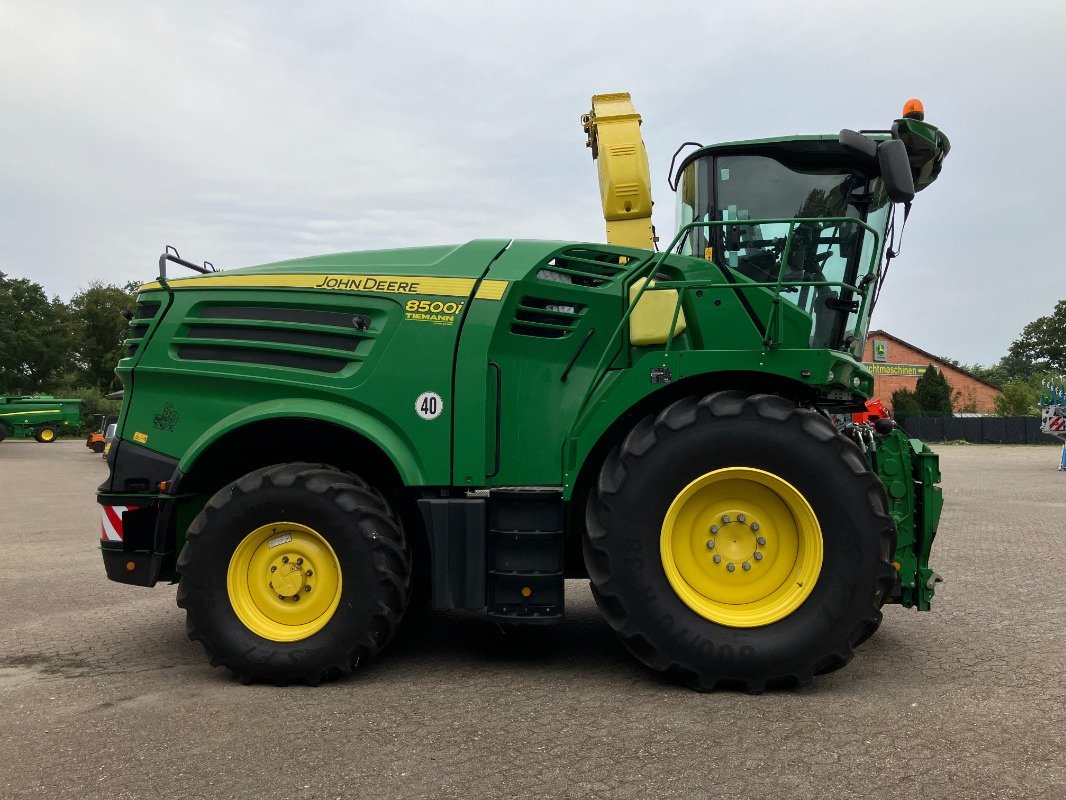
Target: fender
{"points": [[623, 390], [392, 442]]}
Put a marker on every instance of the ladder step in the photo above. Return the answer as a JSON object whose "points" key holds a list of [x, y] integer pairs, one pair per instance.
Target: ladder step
{"points": [[525, 555], [504, 616]]}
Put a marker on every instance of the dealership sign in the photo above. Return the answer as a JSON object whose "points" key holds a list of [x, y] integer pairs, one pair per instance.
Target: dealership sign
{"points": [[900, 370]]}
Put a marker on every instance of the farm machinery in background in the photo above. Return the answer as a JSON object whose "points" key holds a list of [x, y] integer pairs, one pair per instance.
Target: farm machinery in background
{"points": [[302, 442], [41, 416], [104, 430]]}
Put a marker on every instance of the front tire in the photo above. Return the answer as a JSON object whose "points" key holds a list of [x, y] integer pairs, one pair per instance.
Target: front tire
{"points": [[46, 434], [294, 573], [739, 541]]}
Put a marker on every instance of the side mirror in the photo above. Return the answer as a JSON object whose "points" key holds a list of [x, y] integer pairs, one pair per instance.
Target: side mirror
{"points": [[895, 167], [859, 145]]}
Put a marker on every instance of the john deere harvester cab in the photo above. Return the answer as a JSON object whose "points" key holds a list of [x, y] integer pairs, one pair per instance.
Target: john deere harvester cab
{"points": [[812, 211], [807, 196], [302, 443]]}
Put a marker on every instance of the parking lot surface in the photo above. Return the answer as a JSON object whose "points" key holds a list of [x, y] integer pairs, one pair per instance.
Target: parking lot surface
{"points": [[102, 695]]}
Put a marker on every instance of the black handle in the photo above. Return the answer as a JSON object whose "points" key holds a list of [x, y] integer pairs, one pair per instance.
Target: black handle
{"points": [[168, 255]]}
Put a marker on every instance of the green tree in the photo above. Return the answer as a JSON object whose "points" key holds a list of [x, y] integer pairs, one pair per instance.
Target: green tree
{"points": [[933, 393], [1020, 398], [99, 331], [904, 405], [1041, 347], [35, 336]]}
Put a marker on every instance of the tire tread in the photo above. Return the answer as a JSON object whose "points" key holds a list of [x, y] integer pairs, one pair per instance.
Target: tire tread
{"points": [[351, 494], [673, 421]]}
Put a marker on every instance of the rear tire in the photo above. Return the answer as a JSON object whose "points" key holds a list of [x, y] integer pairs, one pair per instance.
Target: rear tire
{"points": [[97, 447], [341, 526], [679, 628], [46, 434]]}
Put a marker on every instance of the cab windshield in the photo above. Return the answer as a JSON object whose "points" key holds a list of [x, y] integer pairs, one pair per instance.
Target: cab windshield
{"points": [[765, 197]]}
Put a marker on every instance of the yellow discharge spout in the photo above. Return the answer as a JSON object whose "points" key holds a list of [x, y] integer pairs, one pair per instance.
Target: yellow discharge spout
{"points": [[613, 129]]}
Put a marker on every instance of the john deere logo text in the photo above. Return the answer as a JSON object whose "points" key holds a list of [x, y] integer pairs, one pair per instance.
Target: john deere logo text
{"points": [[362, 284]]}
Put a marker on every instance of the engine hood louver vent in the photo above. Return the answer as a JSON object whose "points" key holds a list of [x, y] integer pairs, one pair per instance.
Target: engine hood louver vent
{"points": [[582, 267], [247, 355], [314, 339], [547, 319], [143, 314]]}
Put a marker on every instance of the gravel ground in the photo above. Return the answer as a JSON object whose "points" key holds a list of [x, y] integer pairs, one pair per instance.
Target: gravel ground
{"points": [[101, 694]]}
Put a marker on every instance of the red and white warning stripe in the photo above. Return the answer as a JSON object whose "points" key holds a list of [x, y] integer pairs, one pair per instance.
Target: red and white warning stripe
{"points": [[111, 522], [1056, 423]]}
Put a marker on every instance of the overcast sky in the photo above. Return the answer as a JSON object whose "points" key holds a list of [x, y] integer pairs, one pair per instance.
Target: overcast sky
{"points": [[251, 132]]}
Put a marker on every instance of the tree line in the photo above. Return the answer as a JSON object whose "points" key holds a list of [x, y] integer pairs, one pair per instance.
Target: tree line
{"points": [[66, 349]]}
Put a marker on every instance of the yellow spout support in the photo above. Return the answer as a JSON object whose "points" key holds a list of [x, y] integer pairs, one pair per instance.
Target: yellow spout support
{"points": [[613, 129]]}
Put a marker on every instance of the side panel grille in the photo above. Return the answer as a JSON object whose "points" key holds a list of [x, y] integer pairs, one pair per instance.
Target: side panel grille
{"points": [[548, 319], [583, 267], [271, 358], [302, 338], [143, 314], [308, 316], [324, 340]]}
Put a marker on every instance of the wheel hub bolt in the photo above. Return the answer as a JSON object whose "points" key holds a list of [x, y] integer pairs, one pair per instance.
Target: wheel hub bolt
{"points": [[309, 573], [725, 518], [710, 544], [281, 597], [755, 526], [741, 518], [761, 540], [307, 588], [717, 559], [299, 561], [284, 559], [714, 529], [758, 556], [730, 566], [746, 566], [273, 568], [295, 597]]}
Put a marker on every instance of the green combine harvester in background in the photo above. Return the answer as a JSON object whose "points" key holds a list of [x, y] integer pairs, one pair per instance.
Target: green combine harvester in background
{"points": [[304, 444], [41, 416]]}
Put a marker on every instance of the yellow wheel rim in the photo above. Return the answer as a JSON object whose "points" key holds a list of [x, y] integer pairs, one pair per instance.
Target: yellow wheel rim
{"points": [[741, 547], [284, 581], [47, 435]]}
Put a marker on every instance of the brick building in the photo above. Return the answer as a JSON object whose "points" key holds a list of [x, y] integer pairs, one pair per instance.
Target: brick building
{"points": [[897, 364]]}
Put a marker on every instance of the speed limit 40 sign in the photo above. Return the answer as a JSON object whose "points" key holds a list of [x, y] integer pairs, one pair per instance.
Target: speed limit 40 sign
{"points": [[429, 405]]}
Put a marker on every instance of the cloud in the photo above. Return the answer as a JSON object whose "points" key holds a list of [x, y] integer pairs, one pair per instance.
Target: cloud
{"points": [[250, 132]]}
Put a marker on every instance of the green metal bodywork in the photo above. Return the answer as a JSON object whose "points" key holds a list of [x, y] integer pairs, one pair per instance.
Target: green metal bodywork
{"points": [[21, 415], [533, 365], [495, 367], [910, 473]]}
